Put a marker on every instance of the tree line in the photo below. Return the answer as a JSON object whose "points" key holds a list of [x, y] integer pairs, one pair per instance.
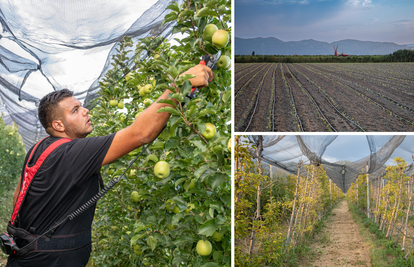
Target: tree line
{"points": [[404, 55]]}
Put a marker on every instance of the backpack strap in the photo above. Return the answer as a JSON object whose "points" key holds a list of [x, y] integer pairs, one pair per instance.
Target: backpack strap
{"points": [[30, 172]]}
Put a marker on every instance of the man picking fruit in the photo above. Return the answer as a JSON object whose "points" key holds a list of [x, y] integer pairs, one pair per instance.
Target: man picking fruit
{"points": [[62, 172]]}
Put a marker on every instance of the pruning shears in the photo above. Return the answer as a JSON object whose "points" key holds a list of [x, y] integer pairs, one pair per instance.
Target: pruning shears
{"points": [[209, 61]]}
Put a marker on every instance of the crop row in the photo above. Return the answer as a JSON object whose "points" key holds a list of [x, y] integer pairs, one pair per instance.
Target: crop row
{"points": [[341, 97]]}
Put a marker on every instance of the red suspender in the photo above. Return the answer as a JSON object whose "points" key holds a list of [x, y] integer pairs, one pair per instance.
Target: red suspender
{"points": [[30, 172]]}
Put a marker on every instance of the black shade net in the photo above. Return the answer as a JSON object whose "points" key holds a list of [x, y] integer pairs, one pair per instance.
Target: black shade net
{"points": [[50, 45], [285, 152]]}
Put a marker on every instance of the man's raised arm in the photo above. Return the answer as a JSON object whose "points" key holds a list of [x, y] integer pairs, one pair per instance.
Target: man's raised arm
{"points": [[147, 126]]}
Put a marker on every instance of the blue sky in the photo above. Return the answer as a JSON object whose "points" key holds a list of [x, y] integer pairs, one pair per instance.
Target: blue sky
{"points": [[326, 20]]}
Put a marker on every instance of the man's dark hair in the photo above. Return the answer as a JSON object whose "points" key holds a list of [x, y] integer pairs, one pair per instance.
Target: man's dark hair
{"points": [[48, 106]]}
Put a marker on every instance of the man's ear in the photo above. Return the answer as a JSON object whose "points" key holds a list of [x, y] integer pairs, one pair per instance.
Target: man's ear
{"points": [[58, 125]]}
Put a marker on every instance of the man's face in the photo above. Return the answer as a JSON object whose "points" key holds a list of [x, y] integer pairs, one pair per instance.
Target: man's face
{"points": [[75, 118]]}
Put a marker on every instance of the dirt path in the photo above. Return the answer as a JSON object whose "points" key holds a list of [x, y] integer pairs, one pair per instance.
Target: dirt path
{"points": [[340, 243]]}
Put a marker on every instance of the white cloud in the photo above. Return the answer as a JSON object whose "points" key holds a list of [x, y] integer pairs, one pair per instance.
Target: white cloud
{"points": [[361, 3]]}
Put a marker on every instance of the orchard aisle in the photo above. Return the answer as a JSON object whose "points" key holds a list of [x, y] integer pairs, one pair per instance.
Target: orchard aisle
{"points": [[345, 246]]}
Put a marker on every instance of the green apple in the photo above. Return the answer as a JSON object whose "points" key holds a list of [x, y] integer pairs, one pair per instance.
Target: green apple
{"points": [[11, 133], [121, 105], [122, 117], [147, 102], [220, 38], [204, 248], [171, 226], [175, 209], [140, 109], [148, 88], [210, 131], [137, 250], [169, 205], [113, 103], [132, 173], [209, 30], [128, 76], [217, 236], [134, 196], [162, 169], [190, 206], [136, 115], [224, 62], [142, 92]]}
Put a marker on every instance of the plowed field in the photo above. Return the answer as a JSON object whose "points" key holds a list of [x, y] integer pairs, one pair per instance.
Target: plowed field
{"points": [[275, 97]]}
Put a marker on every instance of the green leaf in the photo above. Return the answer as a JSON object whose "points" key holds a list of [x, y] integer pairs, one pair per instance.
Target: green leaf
{"points": [[226, 96], [175, 119], [183, 153], [167, 101], [157, 145], [180, 80], [207, 173], [186, 87], [151, 242], [200, 145], [205, 11], [211, 212], [206, 111], [135, 238], [185, 13], [201, 127], [200, 171], [171, 144], [174, 6], [207, 228], [226, 199], [210, 264], [180, 181], [169, 110], [170, 17], [180, 202], [179, 97], [218, 256], [218, 180]]}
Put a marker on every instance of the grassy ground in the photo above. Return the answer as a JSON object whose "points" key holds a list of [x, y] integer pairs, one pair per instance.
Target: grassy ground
{"points": [[383, 252]]}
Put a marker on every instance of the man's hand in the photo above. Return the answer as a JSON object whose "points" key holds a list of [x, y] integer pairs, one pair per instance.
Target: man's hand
{"points": [[202, 73]]}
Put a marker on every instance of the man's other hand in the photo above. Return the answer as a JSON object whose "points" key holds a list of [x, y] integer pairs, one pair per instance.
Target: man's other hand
{"points": [[202, 73]]}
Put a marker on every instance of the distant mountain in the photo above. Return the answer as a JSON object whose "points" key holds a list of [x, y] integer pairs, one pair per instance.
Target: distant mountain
{"points": [[274, 46]]}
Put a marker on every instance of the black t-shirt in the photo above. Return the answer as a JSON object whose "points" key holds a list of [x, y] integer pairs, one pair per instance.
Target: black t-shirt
{"points": [[68, 178]]}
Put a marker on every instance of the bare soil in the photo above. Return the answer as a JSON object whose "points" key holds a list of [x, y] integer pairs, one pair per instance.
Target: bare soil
{"points": [[340, 243], [326, 97]]}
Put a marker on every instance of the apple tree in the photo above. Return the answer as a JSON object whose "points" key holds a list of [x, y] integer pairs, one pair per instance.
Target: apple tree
{"points": [[173, 208], [12, 156]]}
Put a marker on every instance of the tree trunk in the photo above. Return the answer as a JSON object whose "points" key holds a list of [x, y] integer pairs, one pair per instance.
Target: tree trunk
{"points": [[294, 207], [252, 238], [396, 208]]}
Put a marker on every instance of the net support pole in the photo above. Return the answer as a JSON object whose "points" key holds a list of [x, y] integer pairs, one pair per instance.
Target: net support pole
{"points": [[330, 192], [367, 191]]}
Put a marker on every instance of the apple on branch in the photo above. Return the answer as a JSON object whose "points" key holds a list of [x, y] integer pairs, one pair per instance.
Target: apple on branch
{"points": [[210, 131]]}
